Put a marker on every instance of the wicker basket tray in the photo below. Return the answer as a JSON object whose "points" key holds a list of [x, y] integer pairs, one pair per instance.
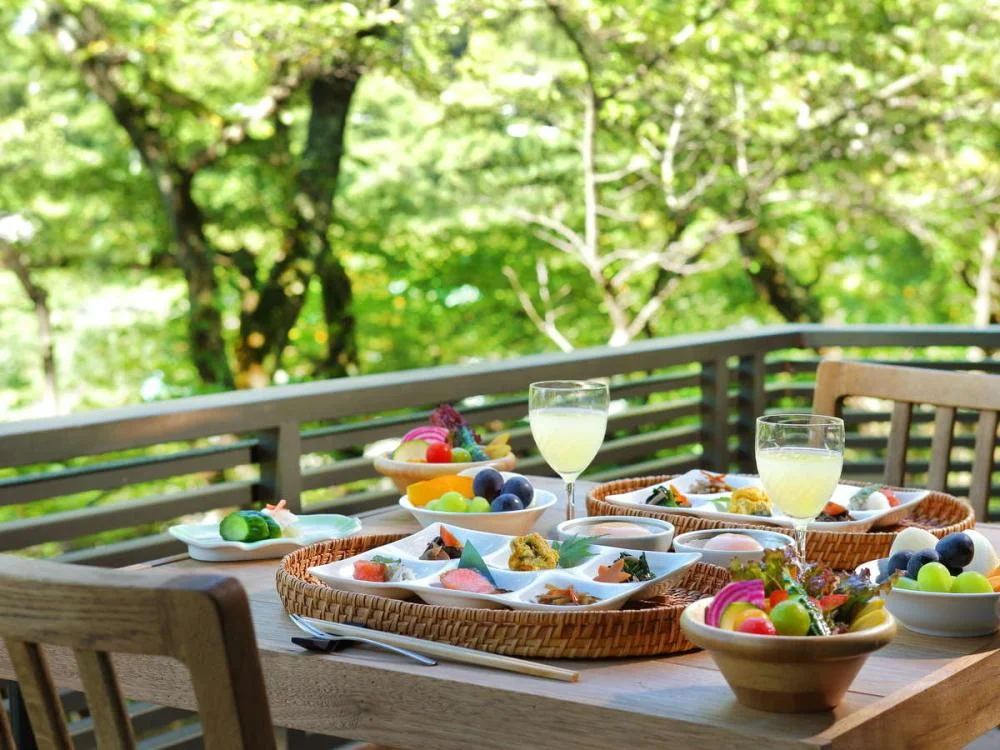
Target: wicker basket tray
{"points": [[647, 628], [939, 513]]}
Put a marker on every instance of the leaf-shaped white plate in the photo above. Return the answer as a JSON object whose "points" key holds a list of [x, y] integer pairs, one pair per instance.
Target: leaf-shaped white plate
{"points": [[205, 544]]}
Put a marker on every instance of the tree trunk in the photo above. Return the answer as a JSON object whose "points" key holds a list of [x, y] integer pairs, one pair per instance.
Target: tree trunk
{"points": [[775, 284], [264, 327], [39, 297], [984, 280], [197, 261]]}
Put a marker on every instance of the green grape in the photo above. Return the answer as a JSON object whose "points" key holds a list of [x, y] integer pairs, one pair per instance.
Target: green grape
{"points": [[934, 577], [434, 505], [790, 618], [478, 505], [906, 583], [971, 582], [460, 456], [452, 502]]}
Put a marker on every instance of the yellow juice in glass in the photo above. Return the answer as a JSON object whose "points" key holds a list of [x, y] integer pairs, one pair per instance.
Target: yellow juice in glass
{"points": [[800, 481], [567, 438]]}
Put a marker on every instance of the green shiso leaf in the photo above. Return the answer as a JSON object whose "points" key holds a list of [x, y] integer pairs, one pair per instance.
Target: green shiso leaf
{"points": [[474, 561]]}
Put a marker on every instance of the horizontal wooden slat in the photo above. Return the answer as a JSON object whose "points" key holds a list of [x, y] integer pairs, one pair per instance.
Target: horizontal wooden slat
{"points": [[916, 441], [798, 366], [866, 466], [340, 472], [356, 502], [130, 552], [115, 474], [671, 465], [27, 532], [654, 384], [243, 412], [338, 437]]}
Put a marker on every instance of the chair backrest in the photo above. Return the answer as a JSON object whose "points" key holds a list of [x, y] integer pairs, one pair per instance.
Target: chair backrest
{"points": [[202, 621], [906, 386]]}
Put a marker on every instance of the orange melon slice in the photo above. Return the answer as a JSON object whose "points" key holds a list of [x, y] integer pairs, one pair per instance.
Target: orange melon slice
{"points": [[421, 493]]}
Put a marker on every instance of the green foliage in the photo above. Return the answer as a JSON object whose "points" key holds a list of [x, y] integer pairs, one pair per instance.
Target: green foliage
{"points": [[752, 162]]}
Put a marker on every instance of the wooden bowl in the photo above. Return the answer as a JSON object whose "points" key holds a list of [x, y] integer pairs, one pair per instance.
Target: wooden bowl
{"points": [[405, 473], [785, 674]]}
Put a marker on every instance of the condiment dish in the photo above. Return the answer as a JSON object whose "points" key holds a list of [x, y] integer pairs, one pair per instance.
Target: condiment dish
{"points": [[694, 541], [661, 533]]}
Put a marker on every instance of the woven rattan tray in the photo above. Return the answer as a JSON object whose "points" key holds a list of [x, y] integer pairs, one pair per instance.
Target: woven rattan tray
{"points": [[647, 628], [939, 513]]}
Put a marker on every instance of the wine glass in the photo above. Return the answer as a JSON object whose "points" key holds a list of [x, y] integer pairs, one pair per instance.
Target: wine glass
{"points": [[568, 421], [799, 459]]}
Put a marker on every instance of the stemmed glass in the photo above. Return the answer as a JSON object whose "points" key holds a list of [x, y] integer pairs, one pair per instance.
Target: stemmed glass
{"points": [[799, 459], [568, 421]]}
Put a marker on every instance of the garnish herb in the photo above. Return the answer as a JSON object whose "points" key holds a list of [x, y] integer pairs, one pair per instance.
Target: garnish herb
{"points": [[574, 550]]}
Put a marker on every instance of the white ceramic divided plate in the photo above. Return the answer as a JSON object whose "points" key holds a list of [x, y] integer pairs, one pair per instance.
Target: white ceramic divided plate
{"points": [[521, 586], [947, 615], [205, 544], [705, 506]]}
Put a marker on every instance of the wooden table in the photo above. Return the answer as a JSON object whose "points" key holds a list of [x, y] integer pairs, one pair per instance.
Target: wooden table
{"points": [[920, 692]]}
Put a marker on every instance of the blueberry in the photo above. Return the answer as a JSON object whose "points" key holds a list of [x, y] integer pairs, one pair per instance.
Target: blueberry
{"points": [[919, 560], [506, 502], [521, 487], [956, 550], [899, 561], [487, 483]]}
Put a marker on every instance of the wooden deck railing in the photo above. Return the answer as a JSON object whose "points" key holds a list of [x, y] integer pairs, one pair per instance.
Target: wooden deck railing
{"points": [[677, 403]]}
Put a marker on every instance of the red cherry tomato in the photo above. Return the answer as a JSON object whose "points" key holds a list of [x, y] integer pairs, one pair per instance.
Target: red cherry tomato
{"points": [[757, 626], [438, 453], [832, 601], [777, 596], [890, 496]]}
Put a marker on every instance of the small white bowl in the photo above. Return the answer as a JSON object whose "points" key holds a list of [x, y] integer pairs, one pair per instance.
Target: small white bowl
{"points": [[513, 522], [767, 540], [662, 532], [939, 614]]}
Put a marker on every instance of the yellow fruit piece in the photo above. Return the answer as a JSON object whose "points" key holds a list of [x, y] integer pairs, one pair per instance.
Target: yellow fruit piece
{"points": [[873, 606], [871, 620], [502, 439], [496, 451], [421, 493]]}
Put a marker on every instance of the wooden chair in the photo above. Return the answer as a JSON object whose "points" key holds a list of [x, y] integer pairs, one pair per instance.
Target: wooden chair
{"points": [[906, 386], [202, 621]]}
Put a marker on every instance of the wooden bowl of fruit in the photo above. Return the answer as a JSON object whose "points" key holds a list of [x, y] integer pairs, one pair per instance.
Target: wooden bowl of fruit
{"points": [[793, 639], [447, 446]]}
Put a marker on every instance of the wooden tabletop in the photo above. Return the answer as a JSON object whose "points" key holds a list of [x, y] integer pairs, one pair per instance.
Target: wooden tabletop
{"points": [[919, 692]]}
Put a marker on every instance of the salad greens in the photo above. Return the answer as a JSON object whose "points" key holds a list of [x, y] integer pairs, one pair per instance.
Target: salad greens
{"points": [[832, 599]]}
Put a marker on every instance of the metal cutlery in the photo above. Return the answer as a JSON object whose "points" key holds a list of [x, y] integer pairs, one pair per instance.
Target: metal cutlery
{"points": [[327, 643]]}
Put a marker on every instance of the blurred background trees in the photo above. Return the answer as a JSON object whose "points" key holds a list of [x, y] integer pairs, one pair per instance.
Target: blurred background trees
{"points": [[205, 195]]}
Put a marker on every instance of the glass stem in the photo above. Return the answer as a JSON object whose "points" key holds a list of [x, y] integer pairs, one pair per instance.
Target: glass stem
{"points": [[570, 506], [800, 538]]}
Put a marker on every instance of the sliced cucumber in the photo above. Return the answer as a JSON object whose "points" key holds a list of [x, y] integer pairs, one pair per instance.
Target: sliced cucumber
{"points": [[273, 529], [244, 526]]}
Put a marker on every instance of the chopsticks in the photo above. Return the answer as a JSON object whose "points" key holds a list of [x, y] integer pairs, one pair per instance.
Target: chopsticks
{"points": [[450, 652]]}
